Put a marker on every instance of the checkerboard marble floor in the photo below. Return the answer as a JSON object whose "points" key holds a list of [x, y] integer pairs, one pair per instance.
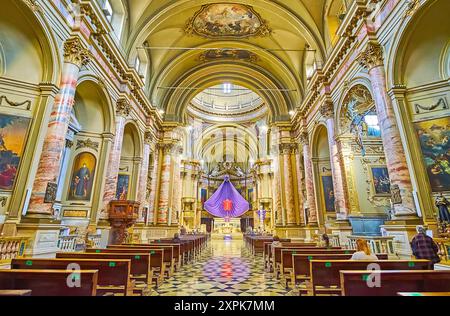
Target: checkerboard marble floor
{"points": [[226, 268]]}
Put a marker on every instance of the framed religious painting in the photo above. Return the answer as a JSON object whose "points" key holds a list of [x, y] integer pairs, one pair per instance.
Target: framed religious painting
{"points": [[379, 178], [82, 179], [123, 185], [434, 138], [13, 136], [328, 193]]}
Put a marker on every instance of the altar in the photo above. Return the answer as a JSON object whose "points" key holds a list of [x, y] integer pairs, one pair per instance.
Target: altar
{"points": [[227, 229]]}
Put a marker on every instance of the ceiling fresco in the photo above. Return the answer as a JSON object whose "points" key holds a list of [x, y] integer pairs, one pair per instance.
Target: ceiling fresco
{"points": [[227, 20]]}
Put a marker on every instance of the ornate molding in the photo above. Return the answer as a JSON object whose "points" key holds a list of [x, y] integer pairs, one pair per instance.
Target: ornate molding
{"points": [[33, 5], [304, 138], [15, 104], [69, 143], [148, 138], [3, 200], [123, 107], [327, 109], [411, 8], [231, 54], [75, 53], [88, 143], [372, 56], [432, 107]]}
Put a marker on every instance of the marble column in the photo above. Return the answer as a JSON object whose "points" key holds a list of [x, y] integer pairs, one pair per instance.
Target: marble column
{"points": [[75, 56], [123, 109], [288, 189], [176, 189], [372, 59], [276, 186], [143, 174], [309, 182], [165, 183], [300, 185], [339, 183], [153, 187]]}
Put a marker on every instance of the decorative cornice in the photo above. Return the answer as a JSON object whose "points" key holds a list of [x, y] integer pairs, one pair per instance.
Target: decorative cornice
{"points": [[75, 53], [88, 143], [123, 107], [372, 56]]}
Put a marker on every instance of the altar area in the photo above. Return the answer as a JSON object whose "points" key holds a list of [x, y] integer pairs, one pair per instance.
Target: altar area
{"points": [[227, 229]]}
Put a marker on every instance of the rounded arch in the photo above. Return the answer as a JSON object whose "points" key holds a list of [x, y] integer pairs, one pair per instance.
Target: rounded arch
{"points": [[93, 102], [361, 84], [319, 142], [433, 65], [132, 140], [30, 33], [205, 77]]}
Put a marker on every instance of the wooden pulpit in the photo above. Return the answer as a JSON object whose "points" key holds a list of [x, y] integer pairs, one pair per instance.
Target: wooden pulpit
{"points": [[122, 215]]}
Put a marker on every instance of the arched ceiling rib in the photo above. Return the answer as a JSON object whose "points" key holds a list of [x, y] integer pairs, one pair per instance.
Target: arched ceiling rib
{"points": [[294, 24]]}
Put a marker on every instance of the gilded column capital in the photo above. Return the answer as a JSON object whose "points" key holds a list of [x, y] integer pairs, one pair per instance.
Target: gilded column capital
{"points": [[123, 107], [75, 53], [148, 138], [327, 109], [287, 148], [304, 139], [372, 56]]}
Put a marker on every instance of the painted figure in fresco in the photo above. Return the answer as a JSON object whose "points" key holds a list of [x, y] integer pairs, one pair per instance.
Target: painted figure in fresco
{"points": [[442, 204], [7, 175], [2, 143], [81, 182]]}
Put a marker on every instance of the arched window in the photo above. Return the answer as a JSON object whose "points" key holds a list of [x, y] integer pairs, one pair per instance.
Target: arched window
{"points": [[115, 13]]}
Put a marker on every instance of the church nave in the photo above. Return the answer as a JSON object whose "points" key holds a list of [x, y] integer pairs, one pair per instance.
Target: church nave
{"points": [[225, 268]]}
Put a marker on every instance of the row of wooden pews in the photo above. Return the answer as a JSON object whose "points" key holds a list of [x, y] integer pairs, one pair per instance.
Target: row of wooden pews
{"points": [[314, 270], [118, 270]]}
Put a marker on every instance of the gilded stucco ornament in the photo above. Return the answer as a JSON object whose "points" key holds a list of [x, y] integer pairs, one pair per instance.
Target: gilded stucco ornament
{"points": [[75, 53]]}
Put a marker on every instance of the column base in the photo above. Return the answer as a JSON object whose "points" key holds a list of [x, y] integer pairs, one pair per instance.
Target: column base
{"points": [[43, 234], [403, 230]]}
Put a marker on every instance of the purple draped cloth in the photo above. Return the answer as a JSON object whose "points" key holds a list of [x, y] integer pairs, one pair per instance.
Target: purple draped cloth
{"points": [[226, 191]]}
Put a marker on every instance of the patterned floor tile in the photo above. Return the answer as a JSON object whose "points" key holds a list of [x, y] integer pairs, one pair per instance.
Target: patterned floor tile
{"points": [[226, 268]]}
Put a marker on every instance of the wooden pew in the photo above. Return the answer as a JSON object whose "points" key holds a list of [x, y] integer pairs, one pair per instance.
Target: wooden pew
{"points": [[140, 268], [168, 255], [49, 282], [15, 292], [354, 283], [113, 275], [267, 251], [172, 248], [325, 277], [277, 255], [157, 266]]}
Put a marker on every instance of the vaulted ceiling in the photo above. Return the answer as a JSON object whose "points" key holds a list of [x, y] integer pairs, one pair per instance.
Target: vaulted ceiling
{"points": [[262, 63]]}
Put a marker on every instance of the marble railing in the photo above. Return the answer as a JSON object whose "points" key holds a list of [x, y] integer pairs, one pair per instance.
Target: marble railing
{"points": [[12, 247], [94, 241], [67, 243], [378, 244]]}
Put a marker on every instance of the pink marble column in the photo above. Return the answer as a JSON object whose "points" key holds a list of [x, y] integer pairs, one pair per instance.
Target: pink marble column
{"points": [[300, 185], [288, 190], [153, 187], [339, 185], [309, 182], [122, 111], [372, 59], [276, 187], [176, 195], [75, 56], [165, 179], [143, 174]]}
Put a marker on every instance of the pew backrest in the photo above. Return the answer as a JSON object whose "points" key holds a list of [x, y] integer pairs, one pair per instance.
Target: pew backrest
{"points": [[354, 283], [51, 282]]}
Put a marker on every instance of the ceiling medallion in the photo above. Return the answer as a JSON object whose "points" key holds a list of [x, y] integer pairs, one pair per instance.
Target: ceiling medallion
{"points": [[222, 20], [235, 54]]}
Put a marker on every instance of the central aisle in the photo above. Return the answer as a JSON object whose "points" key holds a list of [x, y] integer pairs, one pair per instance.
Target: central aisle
{"points": [[226, 268]]}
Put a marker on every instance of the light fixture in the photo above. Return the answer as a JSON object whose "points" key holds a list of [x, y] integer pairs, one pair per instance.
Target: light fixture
{"points": [[161, 111], [264, 128], [227, 88], [291, 112], [189, 128]]}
